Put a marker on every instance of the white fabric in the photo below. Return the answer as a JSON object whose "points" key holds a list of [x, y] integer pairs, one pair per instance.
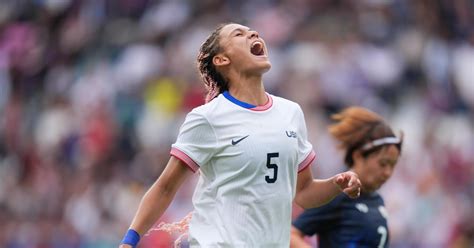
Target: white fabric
{"points": [[234, 204]]}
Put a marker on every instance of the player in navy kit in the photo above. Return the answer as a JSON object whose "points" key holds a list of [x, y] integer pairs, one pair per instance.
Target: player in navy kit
{"points": [[251, 149], [371, 150]]}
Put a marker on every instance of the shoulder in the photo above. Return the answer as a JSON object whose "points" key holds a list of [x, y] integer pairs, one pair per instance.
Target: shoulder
{"points": [[334, 206], [340, 199], [335, 203], [285, 103], [346, 202], [372, 199], [378, 198], [206, 109]]}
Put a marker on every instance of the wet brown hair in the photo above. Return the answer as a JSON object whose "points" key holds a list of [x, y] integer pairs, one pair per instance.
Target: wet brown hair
{"points": [[357, 126], [214, 82]]}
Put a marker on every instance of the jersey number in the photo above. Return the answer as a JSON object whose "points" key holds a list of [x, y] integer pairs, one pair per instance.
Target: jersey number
{"points": [[274, 167], [383, 232]]}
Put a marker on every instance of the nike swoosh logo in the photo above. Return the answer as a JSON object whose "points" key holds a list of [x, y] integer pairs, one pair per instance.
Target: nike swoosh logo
{"points": [[237, 141]]}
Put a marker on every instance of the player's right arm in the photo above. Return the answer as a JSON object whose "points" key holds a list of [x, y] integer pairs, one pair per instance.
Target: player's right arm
{"points": [[297, 239], [157, 199]]}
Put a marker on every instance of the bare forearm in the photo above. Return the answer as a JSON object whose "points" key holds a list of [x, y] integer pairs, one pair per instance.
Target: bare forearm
{"points": [[317, 193], [152, 206], [311, 193], [159, 196], [297, 239]]}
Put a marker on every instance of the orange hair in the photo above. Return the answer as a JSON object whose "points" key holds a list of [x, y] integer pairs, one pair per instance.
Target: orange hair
{"points": [[357, 126]]}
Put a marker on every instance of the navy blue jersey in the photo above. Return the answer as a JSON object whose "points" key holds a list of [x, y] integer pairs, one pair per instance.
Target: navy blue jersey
{"points": [[346, 222]]}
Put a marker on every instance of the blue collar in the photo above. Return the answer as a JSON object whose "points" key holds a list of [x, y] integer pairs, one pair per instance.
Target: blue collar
{"points": [[236, 101]]}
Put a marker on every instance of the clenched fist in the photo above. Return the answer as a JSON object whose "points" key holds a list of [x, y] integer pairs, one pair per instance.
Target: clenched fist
{"points": [[349, 183]]}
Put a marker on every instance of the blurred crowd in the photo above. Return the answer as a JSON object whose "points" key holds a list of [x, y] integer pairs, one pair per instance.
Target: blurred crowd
{"points": [[92, 94]]}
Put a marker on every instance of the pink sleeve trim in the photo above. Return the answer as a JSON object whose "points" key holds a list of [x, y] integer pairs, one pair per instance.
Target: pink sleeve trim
{"points": [[193, 166], [307, 161]]}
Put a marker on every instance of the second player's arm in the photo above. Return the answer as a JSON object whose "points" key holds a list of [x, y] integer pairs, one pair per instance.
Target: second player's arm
{"points": [[311, 193], [157, 199], [297, 239]]}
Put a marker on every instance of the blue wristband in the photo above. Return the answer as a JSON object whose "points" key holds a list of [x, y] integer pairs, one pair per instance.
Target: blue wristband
{"points": [[131, 238]]}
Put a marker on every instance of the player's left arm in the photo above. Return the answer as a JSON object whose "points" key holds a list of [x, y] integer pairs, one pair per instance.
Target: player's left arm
{"points": [[311, 193]]}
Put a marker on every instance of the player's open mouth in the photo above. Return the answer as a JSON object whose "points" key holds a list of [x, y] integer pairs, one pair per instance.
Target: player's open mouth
{"points": [[257, 48]]}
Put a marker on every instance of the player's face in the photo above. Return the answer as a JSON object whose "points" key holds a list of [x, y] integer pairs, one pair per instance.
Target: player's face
{"points": [[377, 168], [244, 48]]}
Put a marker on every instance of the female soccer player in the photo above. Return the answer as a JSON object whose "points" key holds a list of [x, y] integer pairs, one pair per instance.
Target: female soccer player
{"points": [[371, 151], [251, 149]]}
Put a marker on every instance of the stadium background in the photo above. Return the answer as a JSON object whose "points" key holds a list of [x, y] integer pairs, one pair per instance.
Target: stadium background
{"points": [[92, 94]]}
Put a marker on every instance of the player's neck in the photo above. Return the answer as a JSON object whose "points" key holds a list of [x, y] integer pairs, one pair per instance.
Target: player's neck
{"points": [[249, 92]]}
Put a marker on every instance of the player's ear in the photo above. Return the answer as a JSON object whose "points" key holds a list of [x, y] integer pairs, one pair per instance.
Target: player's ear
{"points": [[220, 60]]}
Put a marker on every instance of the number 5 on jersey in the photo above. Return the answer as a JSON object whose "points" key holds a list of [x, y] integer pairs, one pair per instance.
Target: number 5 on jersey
{"points": [[273, 167]]}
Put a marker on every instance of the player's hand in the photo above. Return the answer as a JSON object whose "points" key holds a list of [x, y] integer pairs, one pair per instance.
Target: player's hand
{"points": [[125, 246], [349, 183]]}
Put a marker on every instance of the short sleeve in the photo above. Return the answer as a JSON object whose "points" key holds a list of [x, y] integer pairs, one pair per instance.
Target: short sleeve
{"points": [[196, 142], [306, 154]]}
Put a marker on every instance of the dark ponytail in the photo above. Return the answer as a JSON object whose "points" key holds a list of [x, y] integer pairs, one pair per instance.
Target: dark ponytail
{"points": [[213, 80]]}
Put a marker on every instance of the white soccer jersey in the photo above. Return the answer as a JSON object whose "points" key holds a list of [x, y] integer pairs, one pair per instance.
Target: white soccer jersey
{"points": [[248, 160]]}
